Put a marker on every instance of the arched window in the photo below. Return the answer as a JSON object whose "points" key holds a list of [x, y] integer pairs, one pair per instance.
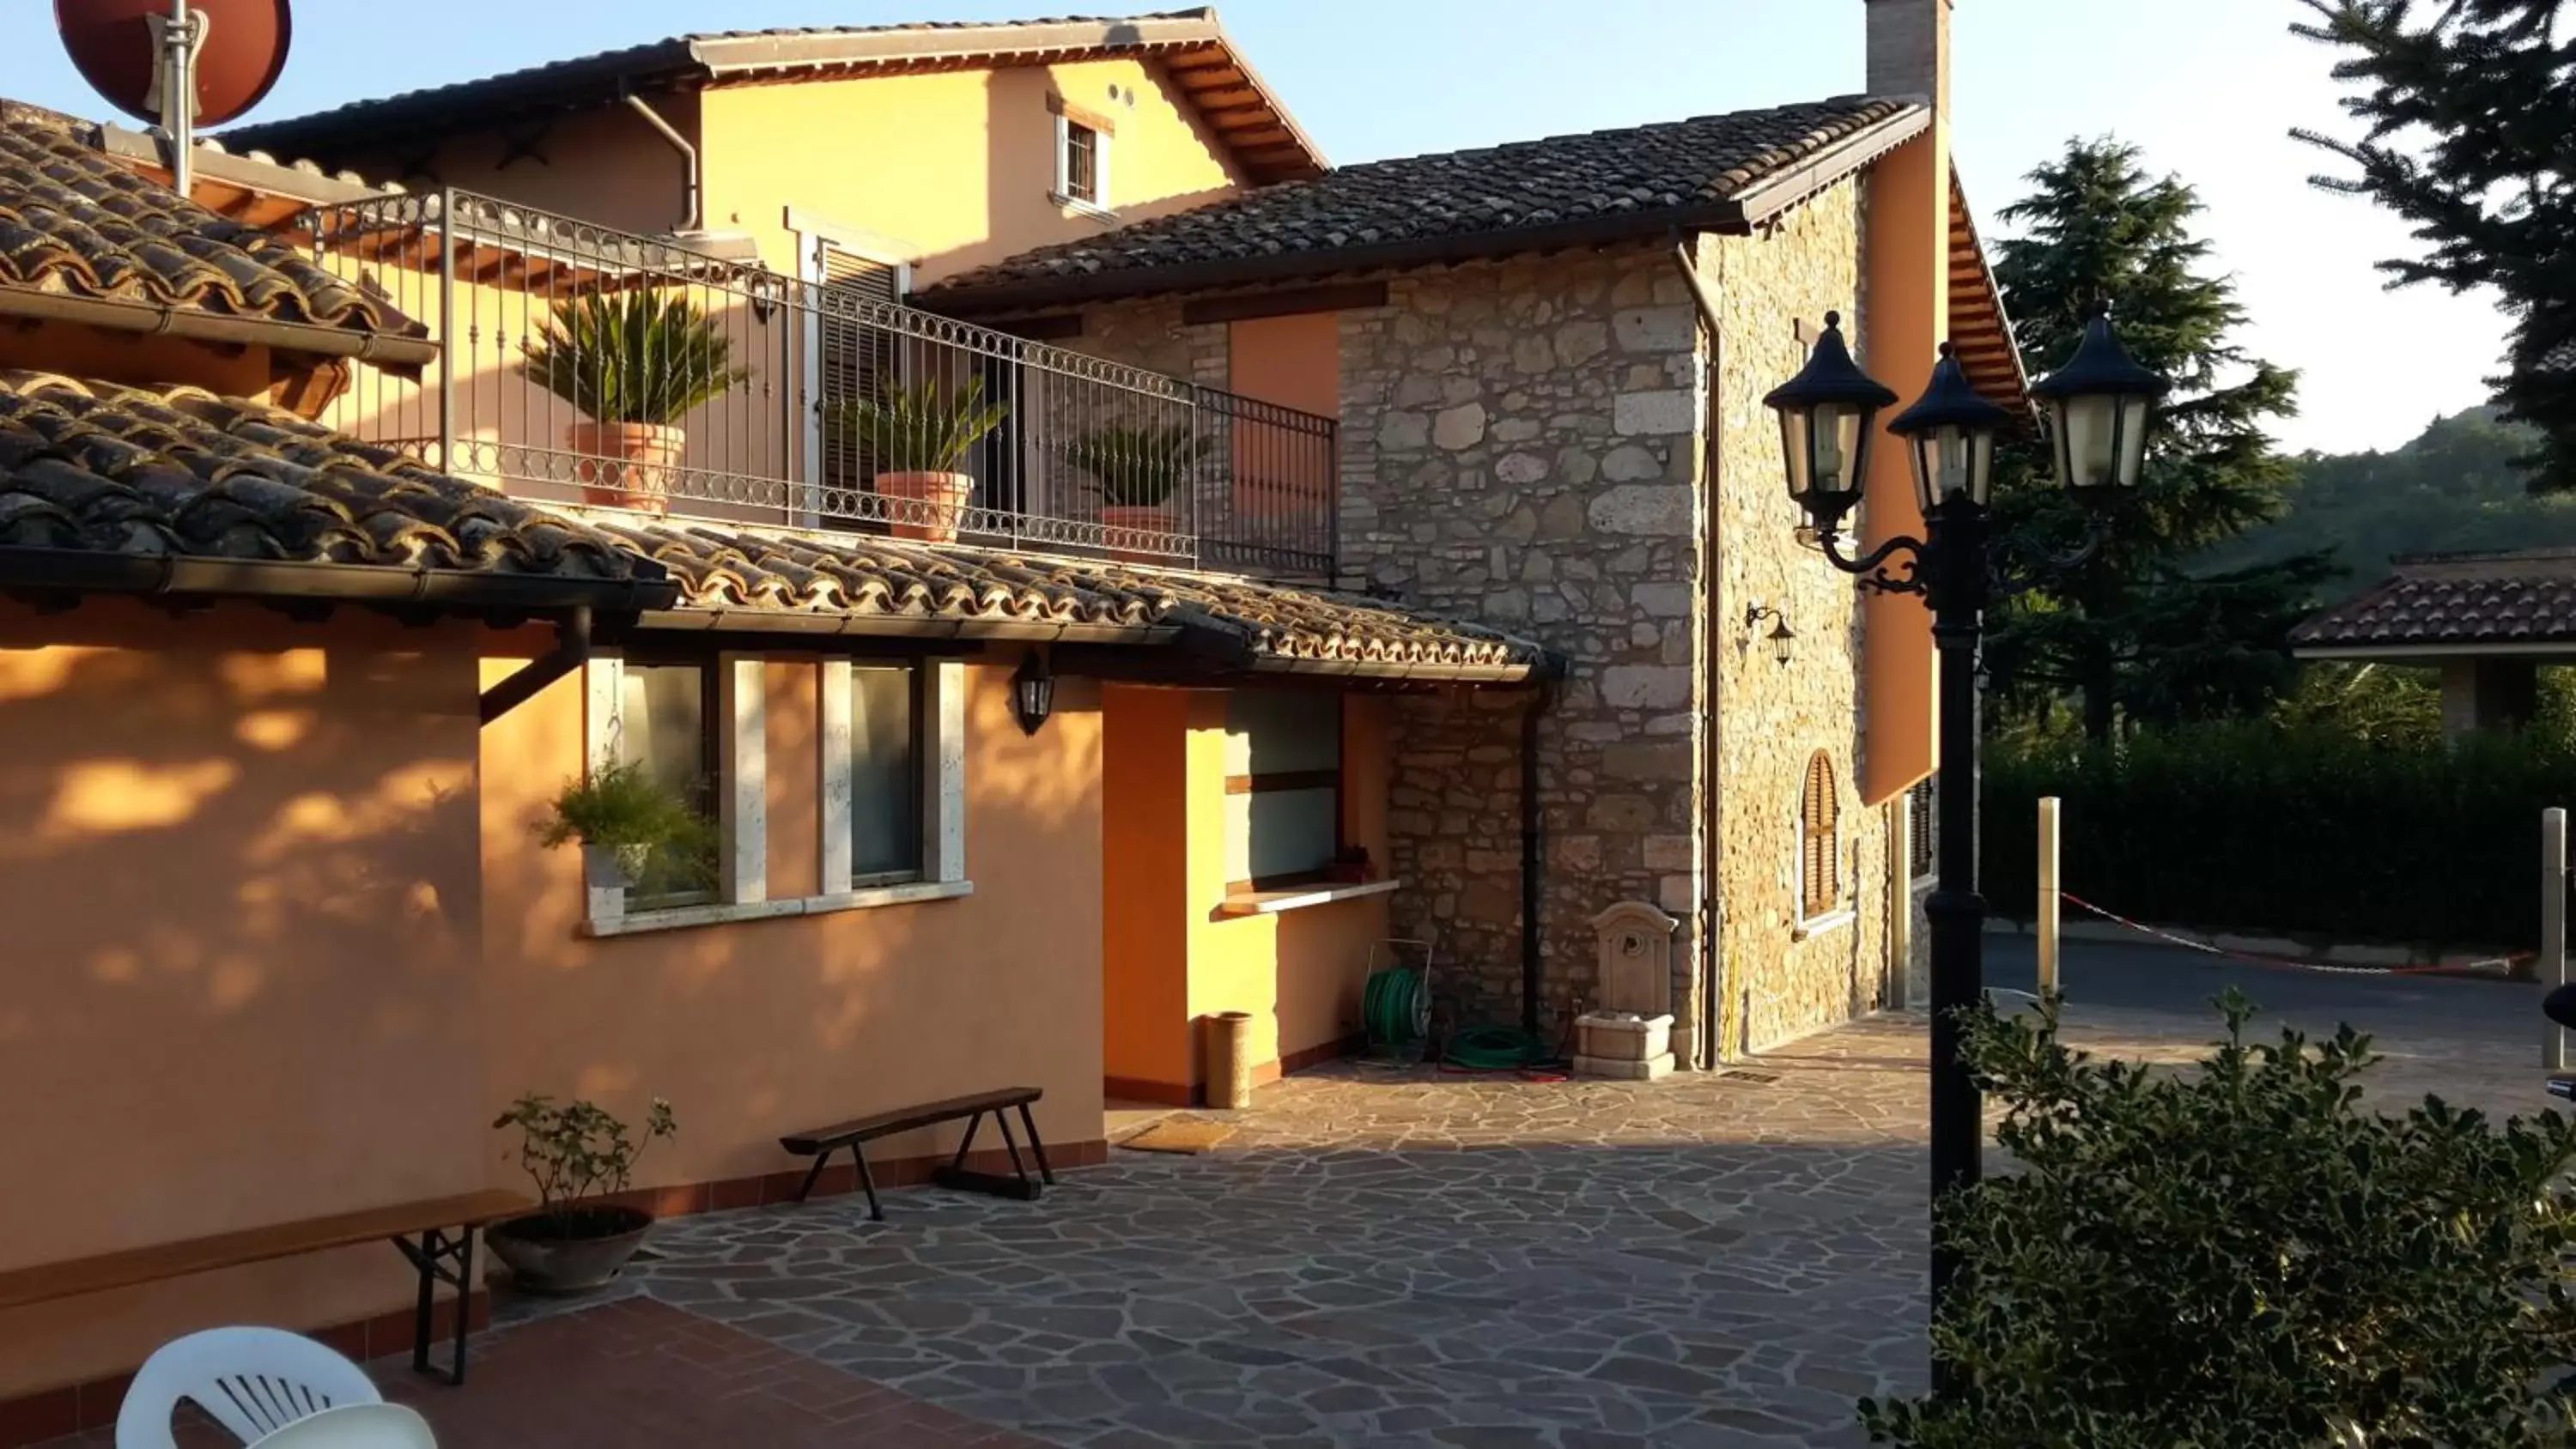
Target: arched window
{"points": [[1820, 884]]}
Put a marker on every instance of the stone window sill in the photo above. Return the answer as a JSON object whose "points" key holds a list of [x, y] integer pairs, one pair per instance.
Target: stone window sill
{"points": [[1100, 214], [1833, 921], [1297, 898], [684, 917]]}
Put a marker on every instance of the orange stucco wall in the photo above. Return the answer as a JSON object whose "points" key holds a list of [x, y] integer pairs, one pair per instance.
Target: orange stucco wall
{"points": [[952, 167], [1295, 361], [136, 358], [243, 914], [754, 1029], [1176, 957], [1908, 255]]}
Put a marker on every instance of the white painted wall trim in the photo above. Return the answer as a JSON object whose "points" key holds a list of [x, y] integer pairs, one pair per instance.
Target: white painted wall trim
{"points": [[832, 779], [683, 917], [603, 727], [743, 745], [943, 793]]}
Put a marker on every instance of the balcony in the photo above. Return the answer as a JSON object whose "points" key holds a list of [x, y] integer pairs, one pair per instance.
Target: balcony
{"points": [[588, 365]]}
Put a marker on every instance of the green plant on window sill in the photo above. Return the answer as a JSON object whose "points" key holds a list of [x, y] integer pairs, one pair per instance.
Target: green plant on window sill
{"points": [[658, 842], [1139, 467], [578, 1154]]}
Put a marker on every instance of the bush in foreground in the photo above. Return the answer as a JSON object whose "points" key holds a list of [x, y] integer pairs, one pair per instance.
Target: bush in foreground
{"points": [[2243, 1257]]}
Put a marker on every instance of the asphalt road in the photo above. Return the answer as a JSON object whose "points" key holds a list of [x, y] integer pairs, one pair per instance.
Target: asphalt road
{"points": [[2151, 977]]}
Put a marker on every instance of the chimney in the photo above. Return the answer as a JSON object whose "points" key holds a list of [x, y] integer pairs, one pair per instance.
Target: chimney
{"points": [[1909, 51]]}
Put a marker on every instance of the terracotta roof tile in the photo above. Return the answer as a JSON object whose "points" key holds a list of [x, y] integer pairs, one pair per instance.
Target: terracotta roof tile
{"points": [[2434, 600], [98, 467], [1249, 620], [1643, 173], [75, 222]]}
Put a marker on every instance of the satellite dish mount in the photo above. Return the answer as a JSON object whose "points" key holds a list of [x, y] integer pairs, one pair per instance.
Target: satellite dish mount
{"points": [[178, 38]]}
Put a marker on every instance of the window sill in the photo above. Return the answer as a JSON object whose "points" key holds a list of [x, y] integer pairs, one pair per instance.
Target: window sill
{"points": [[1834, 921], [1297, 898], [685, 917], [1101, 214]]}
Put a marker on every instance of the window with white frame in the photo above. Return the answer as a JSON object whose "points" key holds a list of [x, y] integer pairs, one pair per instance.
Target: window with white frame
{"points": [[667, 715], [893, 775], [1283, 787], [885, 773], [1082, 146]]}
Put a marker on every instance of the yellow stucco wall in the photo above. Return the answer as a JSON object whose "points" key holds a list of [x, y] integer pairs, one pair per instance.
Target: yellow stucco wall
{"points": [[952, 167]]}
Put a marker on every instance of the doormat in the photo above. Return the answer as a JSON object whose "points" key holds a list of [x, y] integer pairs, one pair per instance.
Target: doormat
{"points": [[1179, 1135], [1753, 1079]]}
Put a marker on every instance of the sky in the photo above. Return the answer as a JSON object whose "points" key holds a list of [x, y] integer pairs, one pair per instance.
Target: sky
{"points": [[2208, 88]]}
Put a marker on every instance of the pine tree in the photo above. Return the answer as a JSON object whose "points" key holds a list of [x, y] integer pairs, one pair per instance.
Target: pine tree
{"points": [[2469, 119], [2135, 630]]}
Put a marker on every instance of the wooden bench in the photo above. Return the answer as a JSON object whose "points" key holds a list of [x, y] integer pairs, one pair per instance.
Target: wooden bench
{"points": [[437, 1235], [855, 1134]]}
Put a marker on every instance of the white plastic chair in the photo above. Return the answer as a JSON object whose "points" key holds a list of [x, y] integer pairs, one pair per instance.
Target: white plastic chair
{"points": [[253, 1381], [355, 1426]]}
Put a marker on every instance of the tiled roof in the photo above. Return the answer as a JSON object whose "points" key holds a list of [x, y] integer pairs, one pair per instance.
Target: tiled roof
{"points": [[99, 468], [2437, 600], [1639, 180], [74, 222], [1236, 620], [1193, 47]]}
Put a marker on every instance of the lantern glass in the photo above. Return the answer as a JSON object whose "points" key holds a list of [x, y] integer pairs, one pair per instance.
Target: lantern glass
{"points": [[1950, 461], [1828, 446], [2133, 440], [2088, 440], [1782, 637]]}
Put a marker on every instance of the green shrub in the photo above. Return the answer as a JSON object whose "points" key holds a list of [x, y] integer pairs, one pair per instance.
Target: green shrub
{"points": [[1138, 467], [2242, 1257], [659, 840], [578, 1150], [2304, 829], [633, 357]]}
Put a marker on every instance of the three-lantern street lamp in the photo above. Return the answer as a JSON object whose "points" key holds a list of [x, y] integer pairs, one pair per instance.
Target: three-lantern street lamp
{"points": [[2097, 410]]}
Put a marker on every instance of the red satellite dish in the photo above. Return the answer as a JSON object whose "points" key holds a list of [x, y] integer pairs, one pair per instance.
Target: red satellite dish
{"points": [[111, 43]]}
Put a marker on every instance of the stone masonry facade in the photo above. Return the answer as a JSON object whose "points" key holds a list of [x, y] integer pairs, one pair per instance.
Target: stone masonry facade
{"points": [[1552, 445]]}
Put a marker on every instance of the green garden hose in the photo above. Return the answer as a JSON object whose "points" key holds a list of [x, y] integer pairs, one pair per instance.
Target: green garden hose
{"points": [[1496, 1048], [1393, 1008]]}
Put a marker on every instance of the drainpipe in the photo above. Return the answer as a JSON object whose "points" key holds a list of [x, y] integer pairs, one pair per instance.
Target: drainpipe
{"points": [[692, 208], [1532, 848]]}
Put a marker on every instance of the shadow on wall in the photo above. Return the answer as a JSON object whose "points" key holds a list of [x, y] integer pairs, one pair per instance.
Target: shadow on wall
{"points": [[242, 885]]}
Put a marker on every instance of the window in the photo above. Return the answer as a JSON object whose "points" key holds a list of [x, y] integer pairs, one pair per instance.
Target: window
{"points": [[1082, 142], [1283, 787], [667, 717], [885, 773], [1820, 885], [1918, 830]]}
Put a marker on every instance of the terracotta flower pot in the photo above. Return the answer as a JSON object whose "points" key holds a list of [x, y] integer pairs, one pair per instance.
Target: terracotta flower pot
{"points": [[1154, 518], [931, 503], [625, 465], [543, 1257]]}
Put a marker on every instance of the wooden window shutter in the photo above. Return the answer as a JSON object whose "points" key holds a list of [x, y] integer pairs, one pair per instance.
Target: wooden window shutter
{"points": [[1918, 819], [856, 358], [1819, 815]]}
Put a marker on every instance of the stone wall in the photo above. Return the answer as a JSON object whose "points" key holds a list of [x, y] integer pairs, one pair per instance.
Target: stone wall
{"points": [[1782, 978], [1521, 446]]}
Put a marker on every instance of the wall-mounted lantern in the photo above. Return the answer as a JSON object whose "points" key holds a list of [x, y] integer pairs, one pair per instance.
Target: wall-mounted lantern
{"points": [[1033, 692]]}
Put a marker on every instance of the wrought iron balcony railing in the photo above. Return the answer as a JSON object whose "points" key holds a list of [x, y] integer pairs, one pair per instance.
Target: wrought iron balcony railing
{"points": [[587, 364]]}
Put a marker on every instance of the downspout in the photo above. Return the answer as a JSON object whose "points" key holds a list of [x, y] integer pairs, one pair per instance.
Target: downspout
{"points": [[692, 205], [1707, 1045], [1533, 843]]}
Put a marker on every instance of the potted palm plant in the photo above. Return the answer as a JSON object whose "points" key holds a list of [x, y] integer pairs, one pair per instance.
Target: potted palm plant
{"points": [[642, 830], [577, 1153], [637, 362], [915, 437], [1139, 468]]}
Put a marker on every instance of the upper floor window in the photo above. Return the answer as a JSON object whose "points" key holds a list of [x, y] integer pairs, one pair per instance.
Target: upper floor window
{"points": [[1082, 145], [1283, 787], [1820, 883]]}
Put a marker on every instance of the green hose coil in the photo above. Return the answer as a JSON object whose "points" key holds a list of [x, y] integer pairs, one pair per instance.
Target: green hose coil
{"points": [[1394, 1009], [1495, 1048]]}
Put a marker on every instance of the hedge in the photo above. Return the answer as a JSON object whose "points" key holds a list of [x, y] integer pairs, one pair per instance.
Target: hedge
{"points": [[2301, 831]]}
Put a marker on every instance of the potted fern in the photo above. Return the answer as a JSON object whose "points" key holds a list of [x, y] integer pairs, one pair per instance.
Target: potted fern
{"points": [[916, 437], [577, 1153], [642, 830], [636, 362], [1139, 468]]}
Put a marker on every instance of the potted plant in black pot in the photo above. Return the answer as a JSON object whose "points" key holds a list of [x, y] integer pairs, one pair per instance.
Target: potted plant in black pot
{"points": [[577, 1153], [1139, 469], [636, 362], [915, 437]]}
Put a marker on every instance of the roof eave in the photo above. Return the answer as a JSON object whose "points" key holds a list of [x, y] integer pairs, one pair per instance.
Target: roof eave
{"points": [[811, 624], [724, 56], [203, 326], [82, 571], [1740, 212], [2424, 649]]}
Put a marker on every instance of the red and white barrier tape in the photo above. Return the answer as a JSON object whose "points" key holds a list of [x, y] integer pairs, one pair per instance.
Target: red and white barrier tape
{"points": [[2291, 963]]}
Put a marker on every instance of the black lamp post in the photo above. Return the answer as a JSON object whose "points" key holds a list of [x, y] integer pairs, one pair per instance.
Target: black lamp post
{"points": [[2097, 405]]}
